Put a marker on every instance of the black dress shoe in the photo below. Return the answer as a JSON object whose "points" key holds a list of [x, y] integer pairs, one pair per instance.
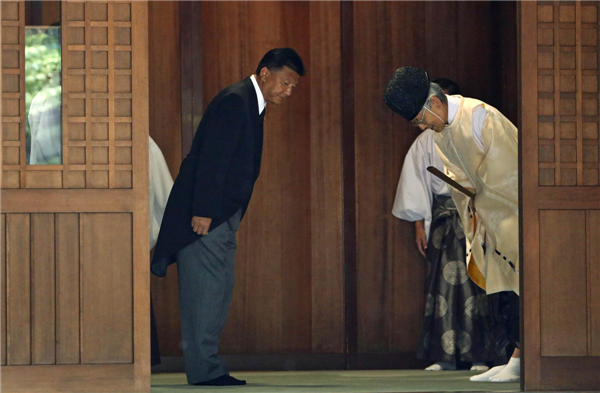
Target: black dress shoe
{"points": [[223, 380]]}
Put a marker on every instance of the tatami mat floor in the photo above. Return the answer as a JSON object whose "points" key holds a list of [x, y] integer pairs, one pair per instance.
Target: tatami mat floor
{"points": [[391, 381]]}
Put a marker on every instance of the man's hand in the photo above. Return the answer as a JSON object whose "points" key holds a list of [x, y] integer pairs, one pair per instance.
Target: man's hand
{"points": [[472, 204], [201, 225], [421, 237]]}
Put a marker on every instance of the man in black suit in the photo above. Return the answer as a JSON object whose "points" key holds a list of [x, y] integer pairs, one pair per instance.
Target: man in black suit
{"points": [[208, 200]]}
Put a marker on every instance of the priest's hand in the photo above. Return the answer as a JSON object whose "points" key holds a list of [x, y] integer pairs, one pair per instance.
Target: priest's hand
{"points": [[421, 237], [201, 225], [472, 205]]}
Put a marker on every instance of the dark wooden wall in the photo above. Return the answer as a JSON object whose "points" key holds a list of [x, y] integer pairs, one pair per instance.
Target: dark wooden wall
{"points": [[164, 52], [288, 269], [322, 265]]}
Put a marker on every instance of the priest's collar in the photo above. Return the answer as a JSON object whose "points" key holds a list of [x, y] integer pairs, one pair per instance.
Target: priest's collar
{"points": [[261, 100], [453, 105]]}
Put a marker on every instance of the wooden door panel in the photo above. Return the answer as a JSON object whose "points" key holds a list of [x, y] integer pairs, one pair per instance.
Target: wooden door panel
{"points": [[18, 289], [593, 250], [48, 303], [43, 317], [12, 35], [562, 276], [326, 179], [569, 373], [67, 289], [107, 309], [3, 290], [561, 206], [75, 293]]}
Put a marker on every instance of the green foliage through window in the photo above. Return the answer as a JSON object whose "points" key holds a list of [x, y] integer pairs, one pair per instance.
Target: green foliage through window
{"points": [[43, 103]]}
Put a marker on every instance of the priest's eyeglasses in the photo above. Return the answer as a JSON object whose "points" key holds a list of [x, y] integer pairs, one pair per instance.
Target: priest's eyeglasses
{"points": [[416, 122]]}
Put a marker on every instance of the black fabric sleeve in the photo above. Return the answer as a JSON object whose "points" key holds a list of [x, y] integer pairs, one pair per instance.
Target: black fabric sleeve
{"points": [[219, 141]]}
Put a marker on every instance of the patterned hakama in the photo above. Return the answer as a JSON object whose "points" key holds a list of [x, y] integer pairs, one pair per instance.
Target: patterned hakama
{"points": [[455, 325]]}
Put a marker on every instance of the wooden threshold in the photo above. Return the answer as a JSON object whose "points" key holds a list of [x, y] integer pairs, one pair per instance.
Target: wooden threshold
{"points": [[72, 378]]}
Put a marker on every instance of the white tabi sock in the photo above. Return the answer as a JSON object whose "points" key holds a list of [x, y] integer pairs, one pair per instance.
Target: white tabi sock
{"points": [[440, 366], [511, 373], [485, 377], [479, 367]]}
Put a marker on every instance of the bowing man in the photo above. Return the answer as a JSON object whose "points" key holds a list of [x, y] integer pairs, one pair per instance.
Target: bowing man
{"points": [[207, 203], [454, 324], [479, 148]]}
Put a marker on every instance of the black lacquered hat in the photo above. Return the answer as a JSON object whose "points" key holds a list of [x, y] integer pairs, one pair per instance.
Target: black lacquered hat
{"points": [[407, 91]]}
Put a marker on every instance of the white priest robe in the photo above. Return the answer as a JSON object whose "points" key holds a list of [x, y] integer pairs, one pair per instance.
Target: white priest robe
{"points": [[488, 165], [416, 187], [161, 183]]}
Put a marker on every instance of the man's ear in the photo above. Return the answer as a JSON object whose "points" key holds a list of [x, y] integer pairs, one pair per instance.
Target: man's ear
{"points": [[264, 72], [436, 101]]}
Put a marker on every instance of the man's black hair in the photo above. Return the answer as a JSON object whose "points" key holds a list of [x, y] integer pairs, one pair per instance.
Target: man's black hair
{"points": [[448, 85], [277, 58]]}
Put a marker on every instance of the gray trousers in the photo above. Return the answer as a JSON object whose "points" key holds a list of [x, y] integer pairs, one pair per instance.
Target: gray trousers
{"points": [[205, 271]]}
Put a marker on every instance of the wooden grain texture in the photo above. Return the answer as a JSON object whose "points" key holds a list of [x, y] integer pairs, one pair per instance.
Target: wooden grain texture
{"points": [[12, 90], [166, 34], [2, 136], [570, 374], [67, 127], [3, 285], [567, 197], [272, 298], [140, 275], [505, 59], [562, 264], [558, 285], [68, 201], [87, 102], [22, 114], [191, 71], [43, 179], [81, 378], [67, 289], [164, 48], [108, 137], [18, 276], [43, 299], [326, 179], [579, 94], [349, 180], [530, 246], [556, 98], [293, 154], [390, 271], [475, 25], [104, 154], [106, 285], [373, 293], [593, 268]]}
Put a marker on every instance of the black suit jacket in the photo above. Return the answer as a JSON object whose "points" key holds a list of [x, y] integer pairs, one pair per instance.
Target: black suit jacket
{"points": [[217, 177]]}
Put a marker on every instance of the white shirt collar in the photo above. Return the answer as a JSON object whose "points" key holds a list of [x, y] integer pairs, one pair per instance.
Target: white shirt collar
{"points": [[261, 100], [453, 104]]}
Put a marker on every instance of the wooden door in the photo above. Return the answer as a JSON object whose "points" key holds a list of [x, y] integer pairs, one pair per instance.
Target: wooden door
{"points": [[75, 276], [561, 195]]}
